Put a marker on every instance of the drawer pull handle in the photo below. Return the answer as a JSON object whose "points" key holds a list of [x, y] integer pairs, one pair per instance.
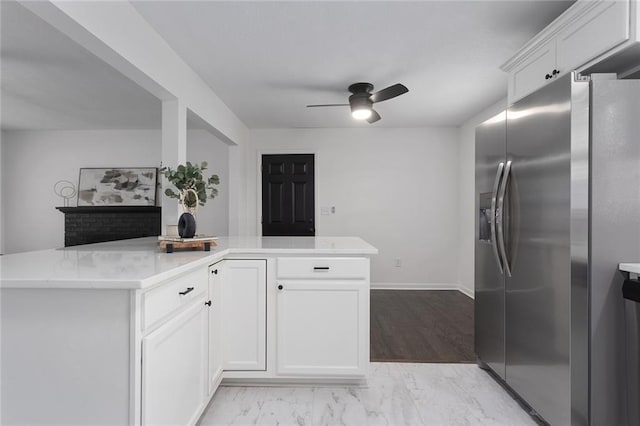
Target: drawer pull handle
{"points": [[280, 287], [208, 303], [215, 271], [320, 268], [187, 291]]}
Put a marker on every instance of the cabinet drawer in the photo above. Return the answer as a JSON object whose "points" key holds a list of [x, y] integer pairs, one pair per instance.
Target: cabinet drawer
{"points": [[322, 267], [164, 300]]}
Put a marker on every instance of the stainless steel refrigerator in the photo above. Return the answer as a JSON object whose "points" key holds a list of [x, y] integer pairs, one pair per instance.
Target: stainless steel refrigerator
{"points": [[558, 207]]}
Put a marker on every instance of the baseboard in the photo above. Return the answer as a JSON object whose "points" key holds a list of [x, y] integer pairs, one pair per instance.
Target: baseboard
{"points": [[466, 291], [296, 382], [422, 286]]}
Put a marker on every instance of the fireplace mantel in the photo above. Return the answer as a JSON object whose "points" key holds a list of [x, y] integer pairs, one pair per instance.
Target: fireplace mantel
{"points": [[96, 224]]}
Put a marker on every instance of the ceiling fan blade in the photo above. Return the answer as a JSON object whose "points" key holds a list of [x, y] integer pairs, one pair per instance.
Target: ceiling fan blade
{"points": [[389, 92], [373, 117], [326, 105]]}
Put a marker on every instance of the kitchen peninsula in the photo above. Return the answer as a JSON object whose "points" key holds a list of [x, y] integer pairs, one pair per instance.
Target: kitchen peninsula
{"points": [[122, 333]]}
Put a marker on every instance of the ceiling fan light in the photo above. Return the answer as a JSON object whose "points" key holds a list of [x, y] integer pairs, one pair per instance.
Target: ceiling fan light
{"points": [[361, 113]]}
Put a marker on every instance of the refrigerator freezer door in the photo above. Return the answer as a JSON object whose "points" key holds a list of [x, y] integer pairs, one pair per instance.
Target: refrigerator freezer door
{"points": [[615, 235], [539, 289], [489, 279]]}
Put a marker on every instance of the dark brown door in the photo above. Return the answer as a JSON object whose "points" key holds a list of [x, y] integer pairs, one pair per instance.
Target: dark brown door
{"points": [[288, 206]]}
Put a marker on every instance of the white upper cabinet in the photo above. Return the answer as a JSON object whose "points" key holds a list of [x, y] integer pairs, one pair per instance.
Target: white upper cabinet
{"points": [[588, 32], [534, 72], [600, 28]]}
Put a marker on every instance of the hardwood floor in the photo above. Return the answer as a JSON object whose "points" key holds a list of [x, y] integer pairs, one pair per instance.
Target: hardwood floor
{"points": [[421, 326]]}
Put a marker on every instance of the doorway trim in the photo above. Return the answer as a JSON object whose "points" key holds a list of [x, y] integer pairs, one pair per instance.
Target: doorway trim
{"points": [[316, 189]]}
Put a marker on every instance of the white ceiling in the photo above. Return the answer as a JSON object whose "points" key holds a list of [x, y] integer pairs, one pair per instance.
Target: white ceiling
{"points": [[50, 82], [267, 60]]}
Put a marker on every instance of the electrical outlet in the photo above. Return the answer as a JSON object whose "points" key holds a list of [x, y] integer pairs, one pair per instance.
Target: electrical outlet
{"points": [[398, 263]]}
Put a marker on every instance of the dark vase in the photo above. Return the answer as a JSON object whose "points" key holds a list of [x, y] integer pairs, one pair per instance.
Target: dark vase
{"points": [[186, 225]]}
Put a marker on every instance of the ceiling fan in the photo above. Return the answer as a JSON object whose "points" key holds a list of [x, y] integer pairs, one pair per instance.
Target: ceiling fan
{"points": [[361, 101]]}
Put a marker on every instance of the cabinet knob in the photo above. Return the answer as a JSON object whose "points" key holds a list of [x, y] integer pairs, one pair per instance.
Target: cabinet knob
{"points": [[556, 71], [280, 287], [547, 77], [208, 303], [215, 272]]}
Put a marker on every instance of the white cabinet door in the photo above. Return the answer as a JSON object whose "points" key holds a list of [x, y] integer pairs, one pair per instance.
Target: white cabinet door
{"points": [[602, 27], [244, 308], [215, 326], [174, 368], [323, 328], [532, 73]]}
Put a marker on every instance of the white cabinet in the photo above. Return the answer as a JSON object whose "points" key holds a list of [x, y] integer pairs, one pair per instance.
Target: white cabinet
{"points": [[600, 28], [322, 316], [585, 33], [174, 368], [244, 307], [215, 328], [323, 328], [534, 72]]}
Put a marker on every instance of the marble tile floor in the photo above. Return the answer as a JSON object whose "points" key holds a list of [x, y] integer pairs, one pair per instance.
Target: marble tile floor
{"points": [[398, 394]]}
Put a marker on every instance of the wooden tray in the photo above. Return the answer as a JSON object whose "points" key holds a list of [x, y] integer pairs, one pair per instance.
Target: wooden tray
{"points": [[170, 246]]}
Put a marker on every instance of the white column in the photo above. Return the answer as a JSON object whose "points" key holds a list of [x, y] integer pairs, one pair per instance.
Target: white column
{"points": [[174, 152]]}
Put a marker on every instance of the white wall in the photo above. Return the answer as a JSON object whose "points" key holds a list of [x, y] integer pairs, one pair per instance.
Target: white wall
{"points": [[34, 161], [213, 218], [116, 33], [466, 193], [396, 188]]}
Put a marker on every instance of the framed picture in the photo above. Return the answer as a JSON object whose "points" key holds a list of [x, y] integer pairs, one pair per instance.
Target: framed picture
{"points": [[118, 186]]}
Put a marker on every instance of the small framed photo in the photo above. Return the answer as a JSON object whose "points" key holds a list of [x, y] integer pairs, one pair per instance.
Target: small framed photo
{"points": [[118, 186]]}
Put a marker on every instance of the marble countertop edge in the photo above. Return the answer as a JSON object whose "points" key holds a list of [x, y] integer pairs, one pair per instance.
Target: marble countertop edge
{"points": [[140, 264], [633, 268]]}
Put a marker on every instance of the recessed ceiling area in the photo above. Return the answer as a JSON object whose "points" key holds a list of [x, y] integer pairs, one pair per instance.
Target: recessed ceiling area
{"points": [[268, 60], [49, 82]]}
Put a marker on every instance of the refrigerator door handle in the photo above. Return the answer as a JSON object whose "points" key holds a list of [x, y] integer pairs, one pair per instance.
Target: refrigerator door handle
{"points": [[500, 219], [494, 196]]}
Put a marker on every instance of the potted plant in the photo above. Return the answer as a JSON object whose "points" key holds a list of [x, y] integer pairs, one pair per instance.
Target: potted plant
{"points": [[193, 191]]}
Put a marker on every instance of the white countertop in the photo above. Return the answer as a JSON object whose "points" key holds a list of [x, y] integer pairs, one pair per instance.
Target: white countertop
{"points": [[139, 263], [634, 268]]}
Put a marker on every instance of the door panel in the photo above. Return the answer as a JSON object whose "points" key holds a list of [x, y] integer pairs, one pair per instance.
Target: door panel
{"points": [[174, 359], [615, 207], [244, 308], [531, 75], [323, 328], [538, 291], [288, 206], [215, 325], [489, 288]]}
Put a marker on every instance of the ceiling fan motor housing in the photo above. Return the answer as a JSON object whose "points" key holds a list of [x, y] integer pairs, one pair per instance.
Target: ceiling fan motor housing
{"points": [[361, 96]]}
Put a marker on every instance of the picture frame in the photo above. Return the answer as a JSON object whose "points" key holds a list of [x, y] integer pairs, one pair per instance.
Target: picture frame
{"points": [[117, 186]]}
